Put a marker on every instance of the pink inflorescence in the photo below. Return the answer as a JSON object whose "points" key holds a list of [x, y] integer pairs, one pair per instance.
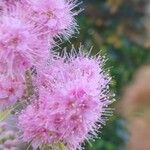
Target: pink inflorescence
{"points": [[27, 32], [72, 100], [69, 92], [11, 90], [19, 45], [55, 17]]}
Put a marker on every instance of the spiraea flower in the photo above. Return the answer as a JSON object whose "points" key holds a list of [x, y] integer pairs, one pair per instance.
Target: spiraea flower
{"points": [[55, 17], [20, 47], [27, 34], [67, 98], [72, 100], [11, 90]]}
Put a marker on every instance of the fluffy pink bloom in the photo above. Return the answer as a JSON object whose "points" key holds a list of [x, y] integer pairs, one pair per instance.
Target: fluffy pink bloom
{"points": [[20, 47], [72, 100], [71, 94], [25, 27], [11, 90], [68, 118], [55, 17], [6, 5], [74, 67]]}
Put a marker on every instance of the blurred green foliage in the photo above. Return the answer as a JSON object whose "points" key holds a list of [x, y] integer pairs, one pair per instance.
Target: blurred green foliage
{"points": [[115, 27]]}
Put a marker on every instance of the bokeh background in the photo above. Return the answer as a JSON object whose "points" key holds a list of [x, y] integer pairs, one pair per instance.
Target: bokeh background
{"points": [[121, 30]]}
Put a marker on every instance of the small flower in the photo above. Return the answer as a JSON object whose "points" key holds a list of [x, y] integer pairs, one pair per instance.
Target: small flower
{"points": [[55, 16], [11, 90]]}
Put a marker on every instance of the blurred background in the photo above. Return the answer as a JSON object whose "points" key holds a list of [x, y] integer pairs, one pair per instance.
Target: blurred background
{"points": [[121, 30]]}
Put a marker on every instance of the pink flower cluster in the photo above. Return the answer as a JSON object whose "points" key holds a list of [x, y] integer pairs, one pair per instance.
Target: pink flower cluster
{"points": [[27, 32], [11, 91], [71, 91], [56, 17], [71, 102]]}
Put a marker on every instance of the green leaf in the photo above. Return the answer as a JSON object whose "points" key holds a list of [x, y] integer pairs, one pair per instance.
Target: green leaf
{"points": [[4, 114]]}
